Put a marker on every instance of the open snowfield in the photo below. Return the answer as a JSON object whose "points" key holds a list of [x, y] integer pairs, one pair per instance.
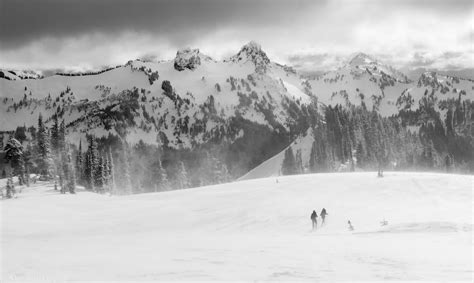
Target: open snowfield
{"points": [[248, 230]]}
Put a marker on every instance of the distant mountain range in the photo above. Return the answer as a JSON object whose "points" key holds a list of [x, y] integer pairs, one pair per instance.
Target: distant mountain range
{"points": [[255, 106]]}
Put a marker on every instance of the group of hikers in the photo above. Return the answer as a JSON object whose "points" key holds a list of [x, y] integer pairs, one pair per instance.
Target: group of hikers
{"points": [[314, 217], [314, 220]]}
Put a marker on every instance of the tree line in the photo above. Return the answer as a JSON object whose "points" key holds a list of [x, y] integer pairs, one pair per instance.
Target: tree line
{"points": [[350, 138]]}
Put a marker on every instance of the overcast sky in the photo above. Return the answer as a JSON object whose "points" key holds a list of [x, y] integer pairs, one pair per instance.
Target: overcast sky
{"points": [[311, 34]]}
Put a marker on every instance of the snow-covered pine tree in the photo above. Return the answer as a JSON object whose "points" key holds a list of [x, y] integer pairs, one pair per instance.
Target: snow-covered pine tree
{"points": [[93, 163], [90, 172], [111, 172], [225, 174], [106, 172], [68, 172], [127, 187], [44, 160], [62, 136], [14, 154], [63, 171], [182, 176], [79, 164], [28, 158], [71, 180], [55, 135], [299, 162], [159, 176], [99, 174], [360, 155], [61, 159]]}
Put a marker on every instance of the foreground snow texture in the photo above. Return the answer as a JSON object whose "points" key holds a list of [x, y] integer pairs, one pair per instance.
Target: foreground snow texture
{"points": [[250, 230]]}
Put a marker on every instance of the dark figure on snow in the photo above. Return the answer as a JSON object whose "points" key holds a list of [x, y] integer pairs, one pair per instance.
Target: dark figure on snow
{"points": [[351, 228], [323, 214], [314, 217]]}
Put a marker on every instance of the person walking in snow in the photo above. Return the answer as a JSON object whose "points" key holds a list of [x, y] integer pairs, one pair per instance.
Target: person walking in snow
{"points": [[323, 215], [314, 217], [351, 228]]}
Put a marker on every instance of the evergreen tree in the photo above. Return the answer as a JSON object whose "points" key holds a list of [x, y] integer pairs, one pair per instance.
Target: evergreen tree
{"points": [[92, 169], [79, 164], [44, 160], [128, 189], [182, 176], [111, 180], [312, 157], [71, 174], [55, 135], [225, 174], [160, 177], [68, 172], [299, 162], [360, 155], [220, 173], [14, 154], [28, 158], [62, 136], [20, 134], [99, 173], [106, 173]]}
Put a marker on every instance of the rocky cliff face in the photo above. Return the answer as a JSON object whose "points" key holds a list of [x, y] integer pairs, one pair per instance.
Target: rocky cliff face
{"points": [[188, 59]]}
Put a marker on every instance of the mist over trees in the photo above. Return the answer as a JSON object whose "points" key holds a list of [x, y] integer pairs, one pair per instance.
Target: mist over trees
{"points": [[344, 138], [355, 138]]}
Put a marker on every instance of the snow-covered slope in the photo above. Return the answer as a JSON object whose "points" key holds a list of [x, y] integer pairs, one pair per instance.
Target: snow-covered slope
{"points": [[272, 167], [249, 230]]}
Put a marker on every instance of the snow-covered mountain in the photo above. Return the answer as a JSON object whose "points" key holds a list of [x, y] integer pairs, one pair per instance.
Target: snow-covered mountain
{"points": [[365, 80], [258, 106], [19, 74], [185, 100]]}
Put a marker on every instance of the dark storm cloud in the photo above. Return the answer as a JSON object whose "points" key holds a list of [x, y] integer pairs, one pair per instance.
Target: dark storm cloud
{"points": [[310, 34], [179, 21]]}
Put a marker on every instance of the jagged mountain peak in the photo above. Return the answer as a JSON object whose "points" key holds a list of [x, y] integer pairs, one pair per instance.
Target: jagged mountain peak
{"points": [[253, 52], [252, 45], [188, 58], [361, 58], [362, 62]]}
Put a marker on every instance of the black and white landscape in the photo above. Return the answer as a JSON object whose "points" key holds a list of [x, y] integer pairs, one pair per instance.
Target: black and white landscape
{"points": [[128, 155]]}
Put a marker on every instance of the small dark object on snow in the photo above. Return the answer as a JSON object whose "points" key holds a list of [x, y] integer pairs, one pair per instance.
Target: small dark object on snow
{"points": [[380, 173], [314, 220], [351, 228]]}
